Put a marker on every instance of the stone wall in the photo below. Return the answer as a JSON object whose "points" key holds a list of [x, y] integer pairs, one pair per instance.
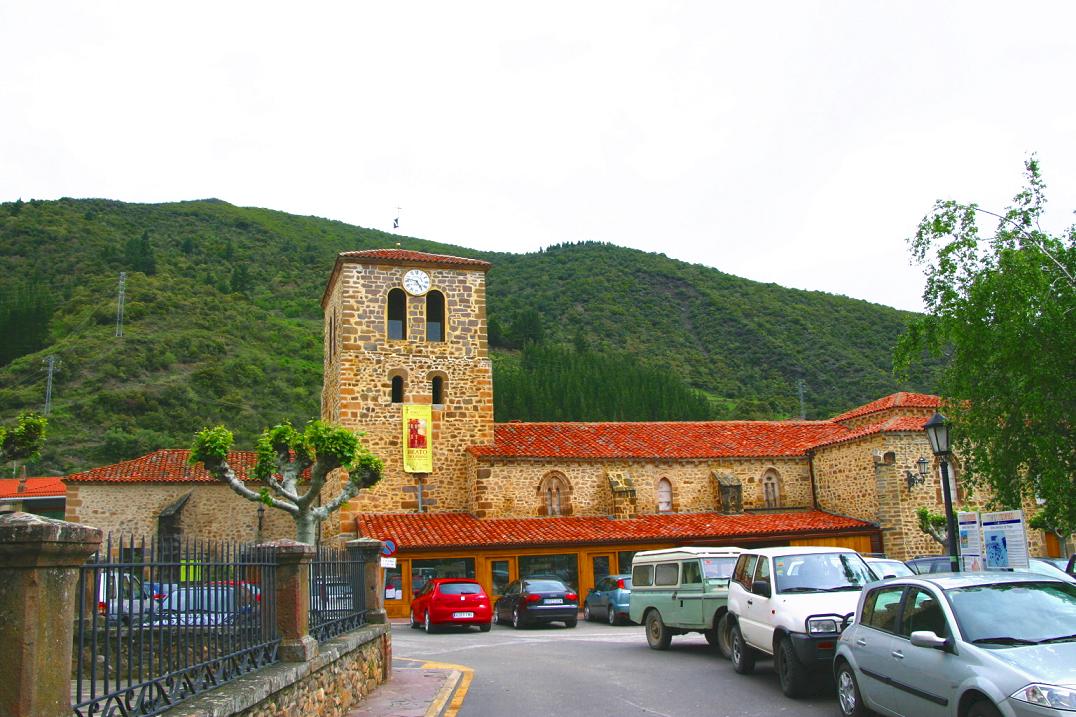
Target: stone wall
{"points": [[360, 367], [214, 511], [345, 671], [510, 488]]}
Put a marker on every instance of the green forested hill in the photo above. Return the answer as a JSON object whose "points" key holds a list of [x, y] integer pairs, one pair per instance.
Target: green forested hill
{"points": [[223, 324]]}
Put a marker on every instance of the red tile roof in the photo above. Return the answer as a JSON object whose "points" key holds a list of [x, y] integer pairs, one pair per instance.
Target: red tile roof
{"points": [[429, 531], [666, 440], [910, 424], [168, 465], [35, 488], [405, 256], [902, 399]]}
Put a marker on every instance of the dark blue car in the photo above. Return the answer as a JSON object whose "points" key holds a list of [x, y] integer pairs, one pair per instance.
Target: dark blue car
{"points": [[609, 600]]}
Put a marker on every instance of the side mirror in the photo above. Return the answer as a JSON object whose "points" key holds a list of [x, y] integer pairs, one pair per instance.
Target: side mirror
{"points": [[927, 638], [761, 587]]}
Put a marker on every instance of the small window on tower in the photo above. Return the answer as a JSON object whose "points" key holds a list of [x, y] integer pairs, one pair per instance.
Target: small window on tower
{"points": [[664, 496], [437, 391], [435, 316], [397, 389], [397, 314]]}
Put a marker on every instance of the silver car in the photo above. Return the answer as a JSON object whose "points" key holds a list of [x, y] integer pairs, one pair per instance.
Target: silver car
{"points": [[960, 645]]}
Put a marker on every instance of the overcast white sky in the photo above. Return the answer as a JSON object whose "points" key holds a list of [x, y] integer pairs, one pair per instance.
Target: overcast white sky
{"points": [[790, 142]]}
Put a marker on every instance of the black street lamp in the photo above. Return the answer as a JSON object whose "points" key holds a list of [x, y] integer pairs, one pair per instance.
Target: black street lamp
{"points": [[937, 429]]}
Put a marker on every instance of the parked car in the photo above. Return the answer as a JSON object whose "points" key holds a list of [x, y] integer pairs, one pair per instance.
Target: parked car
{"points": [[677, 591], [122, 597], [451, 601], [207, 606], [331, 593], [1052, 567], [792, 603], [968, 645], [888, 567], [609, 598], [533, 600]]}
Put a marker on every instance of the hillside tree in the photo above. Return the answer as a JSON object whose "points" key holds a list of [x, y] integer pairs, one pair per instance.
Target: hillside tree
{"points": [[23, 441], [284, 454], [1001, 308]]}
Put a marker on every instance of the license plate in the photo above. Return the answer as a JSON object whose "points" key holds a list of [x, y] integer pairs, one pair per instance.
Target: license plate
{"points": [[459, 615], [554, 601]]}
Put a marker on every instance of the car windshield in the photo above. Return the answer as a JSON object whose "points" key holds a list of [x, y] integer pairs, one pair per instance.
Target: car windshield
{"points": [[460, 588], [1033, 612], [821, 572], [890, 567], [544, 586], [718, 568]]}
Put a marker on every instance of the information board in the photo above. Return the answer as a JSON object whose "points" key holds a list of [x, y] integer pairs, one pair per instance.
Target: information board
{"points": [[971, 541], [1005, 539]]}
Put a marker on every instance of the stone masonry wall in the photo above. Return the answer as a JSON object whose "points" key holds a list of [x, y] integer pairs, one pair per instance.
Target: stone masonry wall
{"points": [[358, 381], [511, 487], [212, 512]]}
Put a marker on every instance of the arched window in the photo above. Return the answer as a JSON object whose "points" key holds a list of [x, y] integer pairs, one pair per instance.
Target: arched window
{"points": [[771, 489], [435, 316], [555, 494], [397, 389], [437, 391], [397, 314], [664, 496]]}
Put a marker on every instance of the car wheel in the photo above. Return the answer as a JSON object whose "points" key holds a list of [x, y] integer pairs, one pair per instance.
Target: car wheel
{"points": [[848, 699], [571, 622], [427, 623], [496, 617], [486, 627], [517, 622], [984, 708], [657, 635], [611, 614], [790, 671], [743, 656], [723, 634], [414, 622], [586, 612]]}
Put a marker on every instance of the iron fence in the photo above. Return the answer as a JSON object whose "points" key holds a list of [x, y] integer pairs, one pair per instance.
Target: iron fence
{"points": [[161, 622], [336, 593]]}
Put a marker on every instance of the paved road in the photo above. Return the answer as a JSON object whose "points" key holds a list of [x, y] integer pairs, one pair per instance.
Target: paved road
{"points": [[598, 670]]}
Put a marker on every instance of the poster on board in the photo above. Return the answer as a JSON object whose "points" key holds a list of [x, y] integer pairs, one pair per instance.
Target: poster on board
{"points": [[1005, 539], [417, 438], [971, 541]]}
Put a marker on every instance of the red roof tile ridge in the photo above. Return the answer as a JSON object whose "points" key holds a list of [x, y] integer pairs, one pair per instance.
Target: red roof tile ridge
{"points": [[412, 255], [893, 424], [900, 399]]}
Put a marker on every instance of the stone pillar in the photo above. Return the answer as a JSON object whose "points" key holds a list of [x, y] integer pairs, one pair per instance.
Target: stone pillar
{"points": [[291, 593], [39, 570], [368, 550]]}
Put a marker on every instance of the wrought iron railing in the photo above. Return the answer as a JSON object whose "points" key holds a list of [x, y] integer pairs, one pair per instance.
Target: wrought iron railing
{"points": [[161, 622], [336, 593]]}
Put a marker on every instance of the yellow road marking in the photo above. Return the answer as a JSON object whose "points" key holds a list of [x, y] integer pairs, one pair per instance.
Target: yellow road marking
{"points": [[461, 683]]}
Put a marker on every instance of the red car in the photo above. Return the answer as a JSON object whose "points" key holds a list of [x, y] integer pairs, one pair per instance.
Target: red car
{"points": [[451, 601]]}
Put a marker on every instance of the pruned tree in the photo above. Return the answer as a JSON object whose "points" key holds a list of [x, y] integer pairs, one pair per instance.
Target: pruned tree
{"points": [[934, 525], [284, 455], [1001, 310], [23, 441]]}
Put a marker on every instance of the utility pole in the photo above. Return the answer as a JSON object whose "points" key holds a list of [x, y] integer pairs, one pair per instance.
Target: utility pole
{"points": [[119, 303], [803, 409], [50, 364]]}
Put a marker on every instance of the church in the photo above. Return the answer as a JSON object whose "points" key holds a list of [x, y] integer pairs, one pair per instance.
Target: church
{"points": [[406, 364]]}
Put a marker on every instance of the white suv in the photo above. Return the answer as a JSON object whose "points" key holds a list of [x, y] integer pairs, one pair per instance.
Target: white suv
{"points": [[793, 603]]}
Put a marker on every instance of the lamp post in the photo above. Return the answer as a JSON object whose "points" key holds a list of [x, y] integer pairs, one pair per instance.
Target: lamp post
{"points": [[937, 429]]}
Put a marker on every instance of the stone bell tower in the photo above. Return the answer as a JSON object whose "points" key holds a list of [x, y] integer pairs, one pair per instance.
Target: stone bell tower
{"points": [[405, 327]]}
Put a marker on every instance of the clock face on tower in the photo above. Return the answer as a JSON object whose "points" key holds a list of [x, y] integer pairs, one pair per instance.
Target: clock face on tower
{"points": [[416, 282]]}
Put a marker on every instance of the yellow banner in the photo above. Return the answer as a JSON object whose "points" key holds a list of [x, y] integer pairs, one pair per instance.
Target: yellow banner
{"points": [[417, 438]]}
